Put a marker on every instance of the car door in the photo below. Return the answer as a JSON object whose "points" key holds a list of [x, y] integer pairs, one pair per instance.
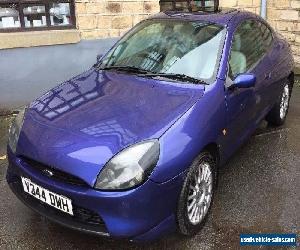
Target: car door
{"points": [[245, 106], [264, 71], [278, 53]]}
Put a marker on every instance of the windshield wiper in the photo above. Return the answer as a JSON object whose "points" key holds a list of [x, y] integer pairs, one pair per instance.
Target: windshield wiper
{"points": [[130, 69], [133, 69], [181, 77]]}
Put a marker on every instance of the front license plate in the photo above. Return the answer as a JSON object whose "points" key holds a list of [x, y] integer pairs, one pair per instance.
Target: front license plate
{"points": [[60, 202]]}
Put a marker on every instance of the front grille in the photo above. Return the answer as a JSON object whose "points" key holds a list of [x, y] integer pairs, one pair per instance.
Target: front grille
{"points": [[83, 219], [87, 216], [57, 174]]}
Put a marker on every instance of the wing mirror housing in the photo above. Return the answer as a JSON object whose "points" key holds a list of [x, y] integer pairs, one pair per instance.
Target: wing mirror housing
{"points": [[243, 81]]}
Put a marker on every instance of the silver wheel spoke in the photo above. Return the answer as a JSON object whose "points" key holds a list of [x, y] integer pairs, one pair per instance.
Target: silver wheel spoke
{"points": [[199, 214], [199, 175], [191, 205], [200, 193], [193, 188], [192, 196], [207, 175], [196, 214], [195, 207], [196, 179], [203, 173]]}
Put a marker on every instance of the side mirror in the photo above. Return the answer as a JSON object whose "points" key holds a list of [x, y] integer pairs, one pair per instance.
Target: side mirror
{"points": [[246, 80], [99, 58]]}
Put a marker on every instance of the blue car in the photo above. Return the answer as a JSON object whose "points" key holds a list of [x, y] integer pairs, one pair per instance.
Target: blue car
{"points": [[131, 148]]}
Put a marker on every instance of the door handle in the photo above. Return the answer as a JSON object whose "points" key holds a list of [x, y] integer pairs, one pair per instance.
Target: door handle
{"points": [[268, 76]]}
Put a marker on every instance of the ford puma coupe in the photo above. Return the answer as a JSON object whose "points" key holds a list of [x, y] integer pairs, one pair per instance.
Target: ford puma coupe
{"points": [[131, 148]]}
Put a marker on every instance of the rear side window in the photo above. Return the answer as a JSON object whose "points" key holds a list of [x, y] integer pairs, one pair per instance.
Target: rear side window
{"points": [[266, 34], [250, 43]]}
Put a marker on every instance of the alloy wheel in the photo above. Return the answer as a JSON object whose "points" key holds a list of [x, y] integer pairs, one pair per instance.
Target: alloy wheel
{"points": [[284, 101], [200, 193]]}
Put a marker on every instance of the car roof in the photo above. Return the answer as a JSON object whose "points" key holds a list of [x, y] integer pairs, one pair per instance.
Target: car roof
{"points": [[222, 16]]}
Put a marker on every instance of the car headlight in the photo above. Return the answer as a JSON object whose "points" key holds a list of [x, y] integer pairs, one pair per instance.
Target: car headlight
{"points": [[130, 167], [15, 130]]}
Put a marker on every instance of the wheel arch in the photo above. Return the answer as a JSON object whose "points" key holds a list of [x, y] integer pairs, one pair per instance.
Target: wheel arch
{"points": [[291, 78], [214, 149]]}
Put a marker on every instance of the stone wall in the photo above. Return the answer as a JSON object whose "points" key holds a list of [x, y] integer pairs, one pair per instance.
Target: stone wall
{"points": [[283, 15], [111, 18], [108, 18], [249, 5]]}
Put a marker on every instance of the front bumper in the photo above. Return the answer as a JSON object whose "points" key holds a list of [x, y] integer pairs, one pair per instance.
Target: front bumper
{"points": [[144, 213]]}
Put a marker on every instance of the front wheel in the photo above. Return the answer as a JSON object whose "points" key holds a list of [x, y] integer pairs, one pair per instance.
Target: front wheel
{"points": [[278, 113], [196, 195]]}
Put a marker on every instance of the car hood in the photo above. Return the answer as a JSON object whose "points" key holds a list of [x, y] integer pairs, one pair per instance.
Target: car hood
{"points": [[79, 125]]}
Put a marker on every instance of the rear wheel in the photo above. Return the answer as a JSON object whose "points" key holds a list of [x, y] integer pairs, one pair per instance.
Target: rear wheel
{"points": [[278, 113], [196, 195]]}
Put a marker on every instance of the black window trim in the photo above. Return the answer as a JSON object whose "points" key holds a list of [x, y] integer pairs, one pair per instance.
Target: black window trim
{"points": [[24, 3]]}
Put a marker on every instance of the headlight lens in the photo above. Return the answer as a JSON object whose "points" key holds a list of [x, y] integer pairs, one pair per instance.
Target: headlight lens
{"points": [[15, 130], [130, 167]]}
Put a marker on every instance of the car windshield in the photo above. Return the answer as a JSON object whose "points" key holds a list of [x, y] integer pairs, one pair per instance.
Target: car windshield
{"points": [[169, 47]]}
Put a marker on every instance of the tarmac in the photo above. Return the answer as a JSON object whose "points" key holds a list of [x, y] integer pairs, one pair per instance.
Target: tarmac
{"points": [[258, 192]]}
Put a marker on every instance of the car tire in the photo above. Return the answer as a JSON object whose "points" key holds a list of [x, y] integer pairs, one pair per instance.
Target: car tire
{"points": [[278, 113], [188, 224]]}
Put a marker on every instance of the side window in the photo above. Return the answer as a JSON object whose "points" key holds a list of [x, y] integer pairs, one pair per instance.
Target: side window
{"points": [[267, 36], [248, 47]]}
